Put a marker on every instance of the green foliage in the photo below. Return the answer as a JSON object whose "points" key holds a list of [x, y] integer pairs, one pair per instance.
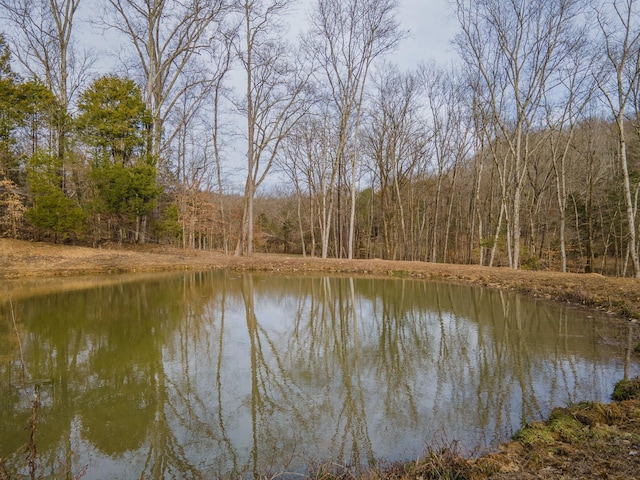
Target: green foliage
{"points": [[573, 425], [27, 112], [10, 116], [114, 120], [535, 434], [126, 191], [5, 60], [265, 223], [487, 242], [27, 105], [627, 390], [52, 211], [529, 261], [400, 273], [7, 124], [170, 227], [566, 426]]}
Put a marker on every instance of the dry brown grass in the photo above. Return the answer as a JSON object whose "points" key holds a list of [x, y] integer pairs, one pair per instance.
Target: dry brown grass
{"points": [[30, 260]]}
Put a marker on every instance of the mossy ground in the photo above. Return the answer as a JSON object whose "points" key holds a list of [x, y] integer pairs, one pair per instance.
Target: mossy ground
{"points": [[583, 441], [586, 441]]}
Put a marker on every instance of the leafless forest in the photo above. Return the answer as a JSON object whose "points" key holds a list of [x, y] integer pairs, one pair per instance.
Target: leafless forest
{"points": [[203, 123]]}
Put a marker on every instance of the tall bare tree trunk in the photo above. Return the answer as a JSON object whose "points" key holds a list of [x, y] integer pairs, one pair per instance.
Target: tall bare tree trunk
{"points": [[622, 42], [346, 42]]}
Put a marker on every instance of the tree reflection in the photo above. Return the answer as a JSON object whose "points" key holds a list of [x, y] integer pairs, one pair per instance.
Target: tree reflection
{"points": [[216, 374], [271, 388], [102, 349]]}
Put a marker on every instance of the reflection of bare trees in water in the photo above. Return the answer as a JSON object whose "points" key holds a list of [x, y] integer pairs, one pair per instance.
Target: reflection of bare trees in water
{"points": [[273, 393], [351, 428], [209, 375], [520, 357]]}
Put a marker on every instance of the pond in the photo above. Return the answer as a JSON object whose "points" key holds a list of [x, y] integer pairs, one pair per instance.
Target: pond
{"points": [[224, 374]]}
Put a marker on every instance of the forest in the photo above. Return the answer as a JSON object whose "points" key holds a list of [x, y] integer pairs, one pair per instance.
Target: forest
{"points": [[207, 124]]}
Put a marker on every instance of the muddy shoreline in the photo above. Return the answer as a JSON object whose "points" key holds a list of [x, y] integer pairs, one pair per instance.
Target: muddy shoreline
{"points": [[26, 261]]}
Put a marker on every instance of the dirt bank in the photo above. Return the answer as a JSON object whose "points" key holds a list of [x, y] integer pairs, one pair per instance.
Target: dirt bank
{"points": [[29, 260]]}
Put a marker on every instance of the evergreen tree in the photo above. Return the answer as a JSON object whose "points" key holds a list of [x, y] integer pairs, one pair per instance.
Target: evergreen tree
{"points": [[27, 110], [114, 123], [9, 114], [51, 212]]}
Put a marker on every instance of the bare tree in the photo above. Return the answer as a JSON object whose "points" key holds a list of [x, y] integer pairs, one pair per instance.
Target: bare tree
{"points": [[221, 55], [292, 164], [450, 134], [482, 139], [12, 208], [621, 37], [42, 35], [306, 160], [574, 92], [395, 140], [198, 138], [515, 47], [346, 37], [310, 154], [271, 105], [166, 36]]}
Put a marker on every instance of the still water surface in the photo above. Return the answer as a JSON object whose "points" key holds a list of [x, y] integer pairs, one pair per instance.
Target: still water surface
{"points": [[220, 374]]}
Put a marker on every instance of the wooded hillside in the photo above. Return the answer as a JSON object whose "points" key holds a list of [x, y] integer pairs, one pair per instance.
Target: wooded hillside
{"points": [[217, 130]]}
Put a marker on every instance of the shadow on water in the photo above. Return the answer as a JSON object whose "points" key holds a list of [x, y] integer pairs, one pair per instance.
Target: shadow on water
{"points": [[220, 374]]}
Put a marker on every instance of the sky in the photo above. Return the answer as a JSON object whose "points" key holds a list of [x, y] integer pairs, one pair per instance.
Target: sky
{"points": [[432, 26]]}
